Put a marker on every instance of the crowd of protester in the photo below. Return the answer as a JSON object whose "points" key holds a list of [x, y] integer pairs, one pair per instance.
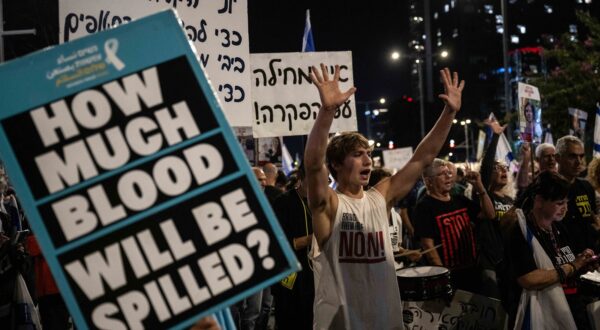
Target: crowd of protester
{"points": [[510, 231]]}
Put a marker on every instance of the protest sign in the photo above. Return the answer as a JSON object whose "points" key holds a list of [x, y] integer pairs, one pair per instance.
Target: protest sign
{"points": [[397, 158], [218, 30], [246, 140], [481, 137], [466, 311], [135, 186], [578, 122], [284, 100], [530, 113]]}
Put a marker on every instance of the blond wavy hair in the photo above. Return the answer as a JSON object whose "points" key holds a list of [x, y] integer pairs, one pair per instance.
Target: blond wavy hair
{"points": [[594, 173]]}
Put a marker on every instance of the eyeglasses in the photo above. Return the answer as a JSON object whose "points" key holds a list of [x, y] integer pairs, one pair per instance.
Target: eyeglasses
{"points": [[500, 167]]}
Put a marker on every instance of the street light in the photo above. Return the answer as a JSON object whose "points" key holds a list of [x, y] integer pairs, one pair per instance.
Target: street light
{"points": [[465, 123]]}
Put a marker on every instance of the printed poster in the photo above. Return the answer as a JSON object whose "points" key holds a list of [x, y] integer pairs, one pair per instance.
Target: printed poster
{"points": [[530, 113], [134, 185], [578, 121]]}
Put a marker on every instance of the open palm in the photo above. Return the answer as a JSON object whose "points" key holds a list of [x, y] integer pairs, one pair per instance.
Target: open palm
{"points": [[453, 88], [329, 90]]}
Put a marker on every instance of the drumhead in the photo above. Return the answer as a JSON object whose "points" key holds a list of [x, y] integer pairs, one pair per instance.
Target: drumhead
{"points": [[421, 271]]}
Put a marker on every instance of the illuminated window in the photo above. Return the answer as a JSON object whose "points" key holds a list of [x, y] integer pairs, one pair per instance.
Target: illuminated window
{"points": [[573, 28], [514, 39], [548, 9], [489, 9], [521, 29], [446, 8]]}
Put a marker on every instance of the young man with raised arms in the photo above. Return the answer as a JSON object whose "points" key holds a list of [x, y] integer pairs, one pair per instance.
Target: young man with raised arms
{"points": [[355, 280]]}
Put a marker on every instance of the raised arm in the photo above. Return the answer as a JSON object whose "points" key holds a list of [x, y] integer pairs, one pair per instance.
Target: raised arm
{"points": [[401, 183], [321, 198], [485, 203], [487, 163], [523, 179]]}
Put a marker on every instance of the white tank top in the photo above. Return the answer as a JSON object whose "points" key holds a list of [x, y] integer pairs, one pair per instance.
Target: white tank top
{"points": [[355, 279]]}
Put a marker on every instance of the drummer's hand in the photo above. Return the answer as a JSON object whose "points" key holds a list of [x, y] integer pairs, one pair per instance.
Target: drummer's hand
{"points": [[415, 255], [584, 258]]}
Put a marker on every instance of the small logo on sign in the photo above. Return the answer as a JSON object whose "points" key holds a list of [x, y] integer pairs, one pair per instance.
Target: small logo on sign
{"points": [[110, 48]]}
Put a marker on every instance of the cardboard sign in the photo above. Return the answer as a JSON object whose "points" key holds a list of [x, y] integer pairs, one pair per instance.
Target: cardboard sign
{"points": [[397, 158], [284, 100], [466, 311], [218, 30], [530, 113], [137, 190]]}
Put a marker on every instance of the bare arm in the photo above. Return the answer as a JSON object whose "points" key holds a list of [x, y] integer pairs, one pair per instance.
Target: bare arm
{"points": [[406, 223], [432, 256], [485, 203], [542, 278], [487, 163], [321, 198], [301, 242], [523, 174], [401, 183]]}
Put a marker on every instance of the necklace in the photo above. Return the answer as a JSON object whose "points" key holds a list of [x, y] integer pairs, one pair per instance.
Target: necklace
{"points": [[546, 236]]}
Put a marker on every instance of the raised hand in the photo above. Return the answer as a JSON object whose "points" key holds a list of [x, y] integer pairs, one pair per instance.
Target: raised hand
{"points": [[474, 178], [329, 90], [495, 126], [452, 96], [526, 151]]}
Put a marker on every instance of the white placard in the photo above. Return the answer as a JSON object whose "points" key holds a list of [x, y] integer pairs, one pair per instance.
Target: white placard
{"points": [[397, 158], [284, 100], [480, 144], [466, 311], [218, 30]]}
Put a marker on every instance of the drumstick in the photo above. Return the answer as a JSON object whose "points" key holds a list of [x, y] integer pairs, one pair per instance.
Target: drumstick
{"points": [[431, 249], [409, 252]]}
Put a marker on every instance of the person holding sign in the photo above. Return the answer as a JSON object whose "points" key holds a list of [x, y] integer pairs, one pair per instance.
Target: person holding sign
{"points": [[353, 259]]}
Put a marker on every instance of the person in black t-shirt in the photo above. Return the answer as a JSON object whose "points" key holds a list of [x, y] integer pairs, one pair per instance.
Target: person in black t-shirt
{"points": [[544, 207], [497, 179], [295, 295], [582, 199], [441, 218]]}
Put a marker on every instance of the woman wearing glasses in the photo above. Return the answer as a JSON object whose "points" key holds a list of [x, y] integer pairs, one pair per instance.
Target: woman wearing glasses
{"points": [[497, 179]]}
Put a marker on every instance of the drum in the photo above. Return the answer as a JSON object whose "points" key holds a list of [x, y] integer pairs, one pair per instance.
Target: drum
{"points": [[589, 284], [424, 283]]}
